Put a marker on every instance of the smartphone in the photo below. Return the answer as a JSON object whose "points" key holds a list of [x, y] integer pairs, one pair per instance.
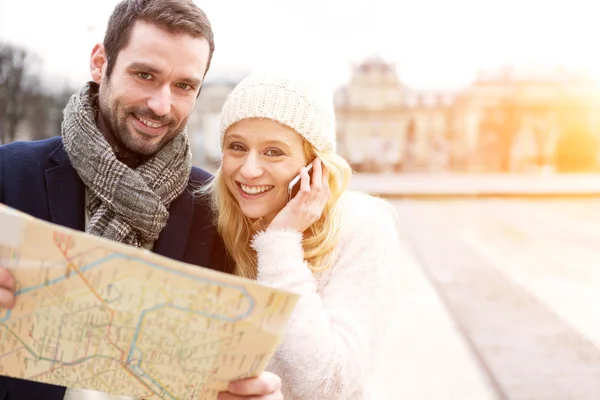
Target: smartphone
{"points": [[294, 185]]}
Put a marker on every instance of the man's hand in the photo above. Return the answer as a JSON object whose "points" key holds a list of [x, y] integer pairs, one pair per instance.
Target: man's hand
{"points": [[266, 387], [7, 289]]}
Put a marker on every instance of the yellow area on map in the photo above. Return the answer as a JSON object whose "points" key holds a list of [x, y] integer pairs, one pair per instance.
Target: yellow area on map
{"points": [[100, 315]]}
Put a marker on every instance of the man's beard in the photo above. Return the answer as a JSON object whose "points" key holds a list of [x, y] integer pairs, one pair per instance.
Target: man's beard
{"points": [[126, 138]]}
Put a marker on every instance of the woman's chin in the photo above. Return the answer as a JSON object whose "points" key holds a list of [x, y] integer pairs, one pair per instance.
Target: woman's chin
{"points": [[259, 218], [253, 215]]}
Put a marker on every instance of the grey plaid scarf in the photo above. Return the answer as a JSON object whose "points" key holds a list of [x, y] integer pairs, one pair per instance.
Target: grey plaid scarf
{"points": [[126, 205]]}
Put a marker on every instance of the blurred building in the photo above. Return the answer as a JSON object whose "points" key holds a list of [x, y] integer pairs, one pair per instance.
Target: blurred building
{"points": [[203, 125], [512, 119], [382, 125], [507, 120]]}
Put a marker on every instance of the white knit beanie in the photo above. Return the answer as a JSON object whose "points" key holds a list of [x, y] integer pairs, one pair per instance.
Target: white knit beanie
{"points": [[289, 100]]}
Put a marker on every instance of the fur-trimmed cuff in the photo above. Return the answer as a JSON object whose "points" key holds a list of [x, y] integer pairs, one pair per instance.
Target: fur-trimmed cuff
{"points": [[280, 257]]}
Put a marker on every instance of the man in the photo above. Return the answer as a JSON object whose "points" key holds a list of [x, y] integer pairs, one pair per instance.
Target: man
{"points": [[122, 166]]}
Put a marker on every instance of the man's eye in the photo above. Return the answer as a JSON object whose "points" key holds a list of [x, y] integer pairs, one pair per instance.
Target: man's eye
{"points": [[144, 75], [184, 86], [236, 147]]}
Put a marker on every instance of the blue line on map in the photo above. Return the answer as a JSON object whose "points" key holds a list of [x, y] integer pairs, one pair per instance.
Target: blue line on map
{"points": [[162, 391], [136, 333], [63, 278], [103, 260]]}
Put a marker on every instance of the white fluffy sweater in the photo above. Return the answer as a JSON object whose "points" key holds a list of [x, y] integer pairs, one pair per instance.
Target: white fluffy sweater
{"points": [[337, 343]]}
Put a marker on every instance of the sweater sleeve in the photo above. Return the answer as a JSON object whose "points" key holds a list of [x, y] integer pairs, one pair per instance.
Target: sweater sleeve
{"points": [[331, 343]]}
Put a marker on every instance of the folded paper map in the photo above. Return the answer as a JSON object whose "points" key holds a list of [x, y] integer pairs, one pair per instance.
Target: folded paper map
{"points": [[100, 315]]}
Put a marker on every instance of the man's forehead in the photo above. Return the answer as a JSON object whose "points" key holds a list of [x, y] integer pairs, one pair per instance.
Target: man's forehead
{"points": [[165, 51]]}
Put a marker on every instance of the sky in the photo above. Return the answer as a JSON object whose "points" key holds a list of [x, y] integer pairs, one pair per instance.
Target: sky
{"points": [[435, 44]]}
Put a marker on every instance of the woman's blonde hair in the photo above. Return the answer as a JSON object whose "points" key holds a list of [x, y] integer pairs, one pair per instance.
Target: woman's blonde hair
{"points": [[319, 240]]}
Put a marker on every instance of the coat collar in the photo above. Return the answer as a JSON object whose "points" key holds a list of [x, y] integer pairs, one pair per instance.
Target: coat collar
{"points": [[173, 238], [65, 190]]}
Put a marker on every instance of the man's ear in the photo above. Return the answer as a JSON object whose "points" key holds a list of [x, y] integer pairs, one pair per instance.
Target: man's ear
{"points": [[97, 62]]}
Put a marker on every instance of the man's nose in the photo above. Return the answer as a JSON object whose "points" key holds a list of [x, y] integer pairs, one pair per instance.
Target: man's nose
{"points": [[160, 102], [251, 168]]}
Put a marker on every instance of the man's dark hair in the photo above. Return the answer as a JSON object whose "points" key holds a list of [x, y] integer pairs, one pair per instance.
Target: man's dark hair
{"points": [[174, 16]]}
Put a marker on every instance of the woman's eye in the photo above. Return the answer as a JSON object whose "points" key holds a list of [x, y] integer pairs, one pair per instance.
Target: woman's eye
{"points": [[274, 152]]}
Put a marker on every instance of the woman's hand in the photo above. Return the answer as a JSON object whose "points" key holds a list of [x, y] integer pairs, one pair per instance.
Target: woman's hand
{"points": [[307, 206]]}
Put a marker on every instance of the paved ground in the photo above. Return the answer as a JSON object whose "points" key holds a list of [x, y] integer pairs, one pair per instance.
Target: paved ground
{"points": [[503, 300]]}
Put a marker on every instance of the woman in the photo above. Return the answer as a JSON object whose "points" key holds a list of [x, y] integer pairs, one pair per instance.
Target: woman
{"points": [[338, 249]]}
